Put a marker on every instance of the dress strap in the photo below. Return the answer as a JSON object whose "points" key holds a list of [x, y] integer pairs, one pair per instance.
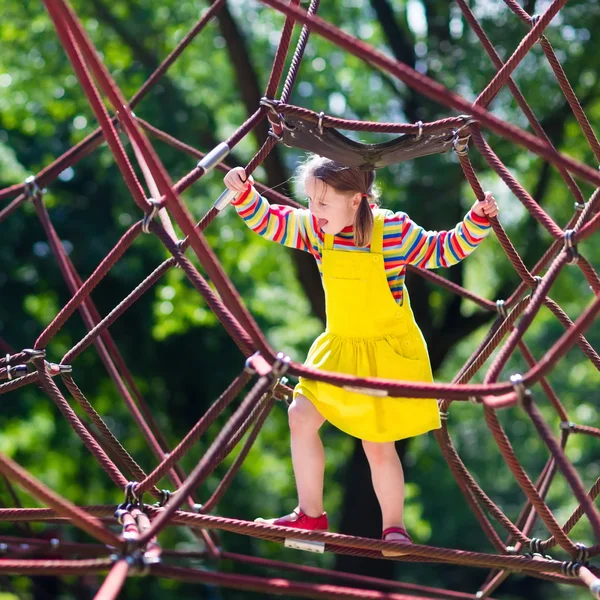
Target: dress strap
{"points": [[328, 242], [377, 237]]}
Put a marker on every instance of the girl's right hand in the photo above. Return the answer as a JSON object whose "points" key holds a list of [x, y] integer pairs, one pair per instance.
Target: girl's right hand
{"points": [[237, 180]]}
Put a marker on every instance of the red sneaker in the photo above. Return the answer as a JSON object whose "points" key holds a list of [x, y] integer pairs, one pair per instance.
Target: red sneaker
{"points": [[299, 520], [406, 540]]}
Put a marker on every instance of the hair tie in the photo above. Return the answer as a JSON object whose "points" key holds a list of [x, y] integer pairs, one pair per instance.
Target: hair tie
{"points": [[364, 197]]}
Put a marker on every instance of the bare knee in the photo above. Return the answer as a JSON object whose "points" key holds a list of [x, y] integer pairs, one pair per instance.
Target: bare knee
{"points": [[303, 416], [380, 453]]}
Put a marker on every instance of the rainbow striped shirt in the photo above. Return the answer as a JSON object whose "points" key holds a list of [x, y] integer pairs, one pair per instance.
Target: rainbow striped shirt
{"points": [[404, 242]]}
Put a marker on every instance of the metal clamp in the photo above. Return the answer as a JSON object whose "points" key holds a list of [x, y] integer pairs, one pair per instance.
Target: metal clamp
{"points": [[534, 20], [420, 133], [165, 496], [8, 373], [583, 553], [571, 246], [568, 425], [579, 206], [501, 308], [32, 189], [248, 364], [281, 365], [138, 564], [522, 392], [460, 145], [536, 545], [149, 216], [571, 568], [320, 123], [131, 496], [18, 370], [270, 103], [57, 369], [33, 354]]}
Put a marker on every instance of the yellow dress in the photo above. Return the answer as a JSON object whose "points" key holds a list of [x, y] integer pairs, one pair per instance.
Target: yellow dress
{"points": [[368, 335]]}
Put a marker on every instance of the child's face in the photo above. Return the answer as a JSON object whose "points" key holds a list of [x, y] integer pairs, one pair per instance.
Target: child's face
{"points": [[333, 210]]}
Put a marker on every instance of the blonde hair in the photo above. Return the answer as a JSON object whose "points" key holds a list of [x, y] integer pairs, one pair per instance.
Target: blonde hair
{"points": [[346, 180]]}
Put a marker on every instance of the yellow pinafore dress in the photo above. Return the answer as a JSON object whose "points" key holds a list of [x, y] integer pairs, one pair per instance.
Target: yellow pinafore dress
{"points": [[368, 335]]}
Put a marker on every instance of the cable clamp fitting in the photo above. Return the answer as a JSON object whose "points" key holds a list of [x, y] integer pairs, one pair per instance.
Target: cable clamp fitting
{"points": [[148, 217], [534, 20], [420, 133], [16, 371], [33, 354], [281, 365], [460, 143], [32, 189], [501, 308], [571, 568], [579, 206], [165, 496], [536, 546], [54, 369], [138, 563], [131, 496], [8, 367], [571, 246], [567, 425], [522, 393], [248, 364], [583, 553], [320, 123], [274, 118]]}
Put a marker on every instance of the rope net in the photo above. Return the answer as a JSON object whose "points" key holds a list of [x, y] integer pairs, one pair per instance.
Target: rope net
{"points": [[127, 535]]}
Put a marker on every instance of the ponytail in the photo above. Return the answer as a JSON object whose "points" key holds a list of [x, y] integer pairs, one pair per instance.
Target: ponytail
{"points": [[363, 223]]}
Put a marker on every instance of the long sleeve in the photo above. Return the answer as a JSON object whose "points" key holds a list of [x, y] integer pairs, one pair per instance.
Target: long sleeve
{"points": [[293, 227], [434, 249]]}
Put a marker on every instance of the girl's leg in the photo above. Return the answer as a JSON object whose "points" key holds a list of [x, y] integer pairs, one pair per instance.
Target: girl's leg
{"points": [[308, 455], [388, 482]]}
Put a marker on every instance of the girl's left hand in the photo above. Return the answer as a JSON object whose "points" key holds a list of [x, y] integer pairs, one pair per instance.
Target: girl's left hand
{"points": [[487, 207]]}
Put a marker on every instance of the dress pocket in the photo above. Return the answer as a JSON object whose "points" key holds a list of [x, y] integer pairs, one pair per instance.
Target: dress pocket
{"points": [[404, 346]]}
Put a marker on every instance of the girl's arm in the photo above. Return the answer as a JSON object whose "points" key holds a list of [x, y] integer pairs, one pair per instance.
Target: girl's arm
{"points": [[433, 249], [289, 226]]}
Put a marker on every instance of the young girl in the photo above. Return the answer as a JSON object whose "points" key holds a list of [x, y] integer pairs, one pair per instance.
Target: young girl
{"points": [[362, 252]]}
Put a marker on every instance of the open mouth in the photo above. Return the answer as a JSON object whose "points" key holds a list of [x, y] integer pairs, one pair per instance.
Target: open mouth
{"points": [[322, 222]]}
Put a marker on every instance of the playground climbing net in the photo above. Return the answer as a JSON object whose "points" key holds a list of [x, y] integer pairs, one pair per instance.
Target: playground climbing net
{"points": [[136, 549]]}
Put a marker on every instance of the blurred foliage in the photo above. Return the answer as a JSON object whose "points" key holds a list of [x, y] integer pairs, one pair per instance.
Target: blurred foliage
{"points": [[180, 356]]}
